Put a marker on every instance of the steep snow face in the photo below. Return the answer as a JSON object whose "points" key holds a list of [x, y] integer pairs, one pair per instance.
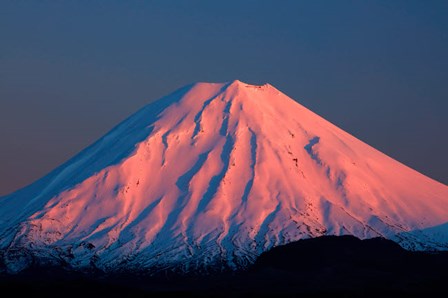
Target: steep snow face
{"points": [[215, 174]]}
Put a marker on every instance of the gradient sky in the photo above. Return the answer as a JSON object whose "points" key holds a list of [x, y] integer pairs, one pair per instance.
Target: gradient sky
{"points": [[71, 70]]}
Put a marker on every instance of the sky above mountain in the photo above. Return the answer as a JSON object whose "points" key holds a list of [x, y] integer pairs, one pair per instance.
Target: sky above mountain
{"points": [[69, 71]]}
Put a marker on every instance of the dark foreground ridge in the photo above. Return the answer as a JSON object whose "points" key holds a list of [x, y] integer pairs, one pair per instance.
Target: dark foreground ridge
{"points": [[339, 266]]}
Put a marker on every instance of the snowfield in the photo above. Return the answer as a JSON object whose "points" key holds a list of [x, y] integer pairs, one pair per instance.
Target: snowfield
{"points": [[212, 175]]}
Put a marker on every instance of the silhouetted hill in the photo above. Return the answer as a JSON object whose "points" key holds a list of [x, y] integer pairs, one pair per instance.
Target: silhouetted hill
{"points": [[349, 265], [331, 251]]}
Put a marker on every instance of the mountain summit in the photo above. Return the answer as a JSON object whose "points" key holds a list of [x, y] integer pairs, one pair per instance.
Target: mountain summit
{"points": [[214, 175]]}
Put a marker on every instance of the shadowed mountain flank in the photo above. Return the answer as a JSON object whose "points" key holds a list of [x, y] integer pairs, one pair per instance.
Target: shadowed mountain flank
{"points": [[342, 266]]}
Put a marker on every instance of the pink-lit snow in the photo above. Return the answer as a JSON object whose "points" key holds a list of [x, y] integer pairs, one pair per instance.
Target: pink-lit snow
{"points": [[217, 174]]}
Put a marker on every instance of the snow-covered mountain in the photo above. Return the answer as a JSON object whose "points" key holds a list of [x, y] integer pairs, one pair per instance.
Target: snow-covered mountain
{"points": [[213, 175]]}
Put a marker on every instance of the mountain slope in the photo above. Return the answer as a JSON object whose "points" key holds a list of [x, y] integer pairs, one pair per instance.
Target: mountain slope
{"points": [[216, 174]]}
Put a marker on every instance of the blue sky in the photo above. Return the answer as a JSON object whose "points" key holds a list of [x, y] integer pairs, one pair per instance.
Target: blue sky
{"points": [[71, 70]]}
